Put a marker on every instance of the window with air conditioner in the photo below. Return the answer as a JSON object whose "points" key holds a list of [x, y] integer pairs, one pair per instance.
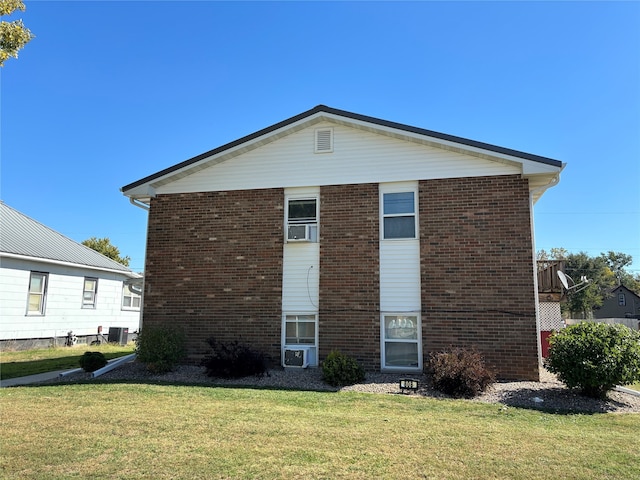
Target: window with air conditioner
{"points": [[302, 220], [300, 340]]}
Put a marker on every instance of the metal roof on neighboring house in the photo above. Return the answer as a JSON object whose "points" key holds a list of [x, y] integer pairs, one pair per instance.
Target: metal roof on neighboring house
{"points": [[23, 236]]}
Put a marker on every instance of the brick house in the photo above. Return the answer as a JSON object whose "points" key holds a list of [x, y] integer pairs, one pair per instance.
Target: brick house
{"points": [[334, 230]]}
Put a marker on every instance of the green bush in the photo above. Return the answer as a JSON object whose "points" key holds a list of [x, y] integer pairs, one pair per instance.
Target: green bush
{"points": [[160, 347], [92, 361], [339, 369], [595, 357], [460, 372]]}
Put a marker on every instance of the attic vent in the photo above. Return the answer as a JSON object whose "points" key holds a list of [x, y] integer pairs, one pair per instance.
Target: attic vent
{"points": [[324, 140]]}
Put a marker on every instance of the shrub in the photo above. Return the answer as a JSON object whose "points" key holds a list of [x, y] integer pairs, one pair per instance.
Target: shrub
{"points": [[161, 348], [339, 369], [92, 361], [595, 357], [460, 372], [234, 360]]}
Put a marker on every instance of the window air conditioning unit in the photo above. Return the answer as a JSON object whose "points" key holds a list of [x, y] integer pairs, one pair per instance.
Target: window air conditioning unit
{"points": [[299, 233], [297, 357]]}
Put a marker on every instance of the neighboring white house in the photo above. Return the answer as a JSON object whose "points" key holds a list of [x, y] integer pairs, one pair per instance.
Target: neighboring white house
{"points": [[51, 285]]}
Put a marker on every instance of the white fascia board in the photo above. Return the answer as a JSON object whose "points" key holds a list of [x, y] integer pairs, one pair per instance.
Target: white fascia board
{"points": [[528, 166], [128, 274]]}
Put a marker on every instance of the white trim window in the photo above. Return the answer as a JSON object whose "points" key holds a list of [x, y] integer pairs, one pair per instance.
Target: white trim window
{"points": [[401, 341], [37, 293], [399, 214], [300, 329], [89, 292], [130, 299], [302, 219]]}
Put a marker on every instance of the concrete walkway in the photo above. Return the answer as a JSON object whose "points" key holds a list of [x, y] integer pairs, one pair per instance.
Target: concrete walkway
{"points": [[43, 377], [40, 377]]}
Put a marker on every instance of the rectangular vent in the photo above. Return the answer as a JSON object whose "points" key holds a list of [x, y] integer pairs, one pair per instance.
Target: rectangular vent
{"points": [[324, 140]]}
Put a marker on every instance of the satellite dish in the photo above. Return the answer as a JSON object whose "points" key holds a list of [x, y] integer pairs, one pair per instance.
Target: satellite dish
{"points": [[565, 279]]}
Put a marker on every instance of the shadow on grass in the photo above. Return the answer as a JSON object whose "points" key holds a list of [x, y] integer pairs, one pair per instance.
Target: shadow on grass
{"points": [[33, 367]]}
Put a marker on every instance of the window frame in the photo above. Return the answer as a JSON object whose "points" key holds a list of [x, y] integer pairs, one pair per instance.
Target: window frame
{"points": [[314, 226], [133, 295], [622, 299], [42, 304], [94, 293], [384, 340], [298, 320], [389, 190]]}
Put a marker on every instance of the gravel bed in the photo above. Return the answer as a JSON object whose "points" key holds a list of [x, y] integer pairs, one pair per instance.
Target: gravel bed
{"points": [[548, 394]]}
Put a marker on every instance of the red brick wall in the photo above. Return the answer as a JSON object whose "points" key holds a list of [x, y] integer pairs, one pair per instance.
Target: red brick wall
{"points": [[214, 265], [476, 270], [349, 273]]}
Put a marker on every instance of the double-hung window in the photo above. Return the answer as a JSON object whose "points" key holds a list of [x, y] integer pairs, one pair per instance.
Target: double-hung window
{"points": [[622, 300], [300, 330], [401, 345], [302, 220], [37, 293], [399, 215], [89, 292], [130, 299]]}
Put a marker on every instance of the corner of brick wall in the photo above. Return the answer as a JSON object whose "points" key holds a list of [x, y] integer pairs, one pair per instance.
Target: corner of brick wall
{"points": [[214, 264], [477, 272]]}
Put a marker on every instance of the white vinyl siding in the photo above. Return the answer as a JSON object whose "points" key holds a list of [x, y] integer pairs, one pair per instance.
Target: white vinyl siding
{"points": [[358, 157], [400, 297], [301, 275], [64, 310]]}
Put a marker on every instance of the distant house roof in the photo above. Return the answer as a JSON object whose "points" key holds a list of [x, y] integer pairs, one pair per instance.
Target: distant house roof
{"points": [[320, 112], [22, 236]]}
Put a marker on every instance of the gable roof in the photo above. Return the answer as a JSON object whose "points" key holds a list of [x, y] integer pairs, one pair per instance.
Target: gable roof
{"points": [[618, 288], [23, 237], [136, 190]]}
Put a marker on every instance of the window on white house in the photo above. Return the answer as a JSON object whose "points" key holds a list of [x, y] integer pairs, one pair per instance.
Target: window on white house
{"points": [[37, 293], [130, 299], [399, 215], [302, 220], [401, 347], [89, 292], [300, 330], [622, 300]]}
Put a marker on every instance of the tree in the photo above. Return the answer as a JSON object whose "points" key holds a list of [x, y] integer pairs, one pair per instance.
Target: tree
{"points": [[103, 246], [13, 35]]}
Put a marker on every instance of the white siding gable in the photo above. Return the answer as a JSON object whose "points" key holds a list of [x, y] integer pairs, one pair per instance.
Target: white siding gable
{"points": [[358, 156]]}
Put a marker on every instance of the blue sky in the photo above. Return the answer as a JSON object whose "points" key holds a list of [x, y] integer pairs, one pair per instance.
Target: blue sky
{"points": [[110, 92]]}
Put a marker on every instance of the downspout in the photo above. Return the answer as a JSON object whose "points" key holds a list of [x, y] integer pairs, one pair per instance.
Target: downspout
{"points": [[532, 193], [146, 208], [138, 203]]}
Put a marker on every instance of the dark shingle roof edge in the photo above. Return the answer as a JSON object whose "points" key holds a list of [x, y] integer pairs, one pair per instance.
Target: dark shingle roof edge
{"points": [[353, 116]]}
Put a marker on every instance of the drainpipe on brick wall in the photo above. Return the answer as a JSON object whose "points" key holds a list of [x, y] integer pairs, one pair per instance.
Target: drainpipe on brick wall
{"points": [[532, 193], [146, 208]]}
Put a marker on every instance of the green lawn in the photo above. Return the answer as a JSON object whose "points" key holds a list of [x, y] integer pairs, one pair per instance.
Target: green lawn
{"points": [[30, 362], [130, 431]]}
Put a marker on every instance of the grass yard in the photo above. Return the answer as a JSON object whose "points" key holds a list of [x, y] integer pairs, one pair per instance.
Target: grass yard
{"points": [[108, 430], [30, 362]]}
